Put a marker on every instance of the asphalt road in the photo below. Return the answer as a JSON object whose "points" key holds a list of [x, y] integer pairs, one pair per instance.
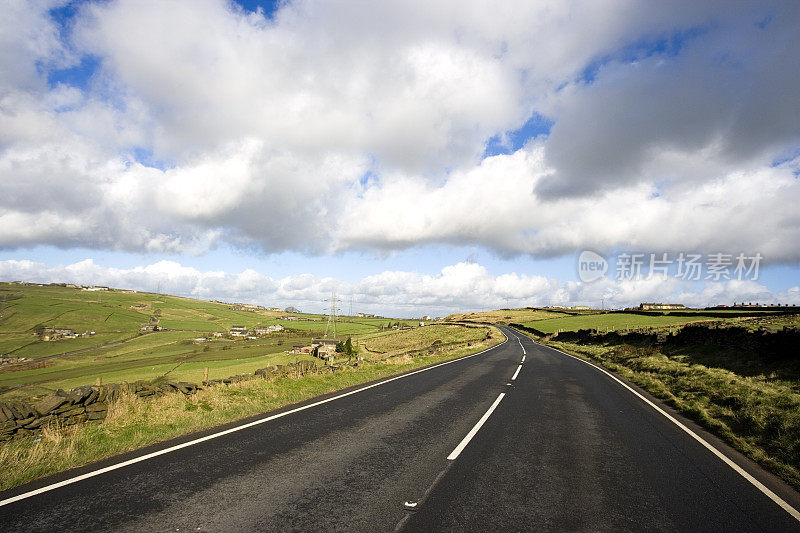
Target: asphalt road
{"points": [[566, 448]]}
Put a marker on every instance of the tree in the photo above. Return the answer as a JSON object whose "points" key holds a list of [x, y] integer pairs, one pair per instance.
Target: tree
{"points": [[348, 347]]}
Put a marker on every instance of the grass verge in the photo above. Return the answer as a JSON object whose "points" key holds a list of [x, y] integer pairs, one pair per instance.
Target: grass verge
{"points": [[758, 414], [133, 423]]}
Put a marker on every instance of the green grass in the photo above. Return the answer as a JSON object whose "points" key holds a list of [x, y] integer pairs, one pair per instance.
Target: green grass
{"points": [[505, 316], [116, 315], [421, 338], [751, 403], [149, 357], [133, 423], [610, 322]]}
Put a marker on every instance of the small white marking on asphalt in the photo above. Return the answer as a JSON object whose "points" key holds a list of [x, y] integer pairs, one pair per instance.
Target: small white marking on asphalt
{"points": [[463, 444], [523, 359], [514, 377], [227, 431], [724, 458]]}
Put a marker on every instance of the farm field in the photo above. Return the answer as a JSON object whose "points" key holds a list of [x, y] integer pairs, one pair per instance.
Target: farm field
{"points": [[119, 351], [392, 343], [611, 321], [505, 316]]}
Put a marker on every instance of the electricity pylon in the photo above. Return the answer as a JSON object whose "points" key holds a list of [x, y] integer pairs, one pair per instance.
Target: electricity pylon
{"points": [[331, 327]]}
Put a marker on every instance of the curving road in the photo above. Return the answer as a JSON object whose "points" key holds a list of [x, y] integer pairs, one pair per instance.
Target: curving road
{"points": [[460, 446]]}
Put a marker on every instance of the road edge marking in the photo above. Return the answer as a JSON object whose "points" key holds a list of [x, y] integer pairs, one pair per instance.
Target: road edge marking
{"points": [[177, 447], [463, 444], [783, 504]]}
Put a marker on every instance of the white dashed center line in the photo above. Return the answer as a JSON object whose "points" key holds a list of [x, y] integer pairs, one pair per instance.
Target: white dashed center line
{"points": [[463, 444]]}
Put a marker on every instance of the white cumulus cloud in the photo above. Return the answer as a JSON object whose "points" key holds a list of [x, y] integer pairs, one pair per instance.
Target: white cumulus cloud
{"points": [[362, 126]]}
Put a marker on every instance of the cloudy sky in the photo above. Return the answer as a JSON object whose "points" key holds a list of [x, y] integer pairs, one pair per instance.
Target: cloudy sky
{"points": [[419, 157]]}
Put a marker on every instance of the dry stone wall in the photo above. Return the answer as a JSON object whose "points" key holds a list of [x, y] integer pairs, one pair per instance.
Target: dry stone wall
{"points": [[20, 418]]}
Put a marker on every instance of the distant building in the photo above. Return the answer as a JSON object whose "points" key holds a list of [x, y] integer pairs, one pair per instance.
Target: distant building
{"points": [[274, 309], [659, 306], [149, 327], [52, 334], [266, 330], [364, 315], [247, 307], [238, 331]]}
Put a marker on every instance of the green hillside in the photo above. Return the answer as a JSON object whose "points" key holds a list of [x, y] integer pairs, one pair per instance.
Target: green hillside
{"points": [[119, 351], [611, 322]]}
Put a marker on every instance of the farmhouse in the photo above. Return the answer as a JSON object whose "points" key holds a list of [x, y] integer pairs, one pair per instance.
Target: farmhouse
{"points": [[149, 327], [51, 334], [324, 348], [246, 307], [238, 331], [659, 306], [266, 330]]}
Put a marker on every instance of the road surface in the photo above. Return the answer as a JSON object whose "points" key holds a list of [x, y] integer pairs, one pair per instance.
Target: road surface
{"points": [[462, 446]]}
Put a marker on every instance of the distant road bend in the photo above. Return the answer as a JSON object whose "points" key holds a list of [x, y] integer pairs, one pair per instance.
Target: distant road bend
{"points": [[520, 437]]}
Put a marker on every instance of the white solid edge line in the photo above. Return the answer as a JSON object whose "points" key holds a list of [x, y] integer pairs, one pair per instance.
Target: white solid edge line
{"points": [[463, 444], [523, 359], [516, 373], [738, 469], [227, 431]]}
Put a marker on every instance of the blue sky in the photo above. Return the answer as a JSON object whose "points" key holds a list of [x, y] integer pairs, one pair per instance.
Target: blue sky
{"points": [[174, 144]]}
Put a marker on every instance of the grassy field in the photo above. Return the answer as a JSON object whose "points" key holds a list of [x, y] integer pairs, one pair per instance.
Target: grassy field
{"points": [[119, 352], [751, 402], [433, 336], [133, 423], [611, 321], [505, 316]]}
